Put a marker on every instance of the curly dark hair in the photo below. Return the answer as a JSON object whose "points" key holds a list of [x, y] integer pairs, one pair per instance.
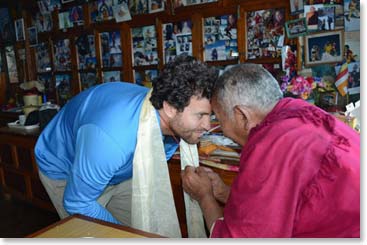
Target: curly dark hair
{"points": [[181, 79]]}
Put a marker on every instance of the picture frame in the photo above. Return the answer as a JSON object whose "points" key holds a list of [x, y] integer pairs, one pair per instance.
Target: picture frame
{"points": [[270, 21], [296, 28], [19, 29], [324, 48], [32, 34], [296, 6]]}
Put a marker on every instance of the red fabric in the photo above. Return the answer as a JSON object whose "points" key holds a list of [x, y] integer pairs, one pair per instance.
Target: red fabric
{"points": [[299, 177]]}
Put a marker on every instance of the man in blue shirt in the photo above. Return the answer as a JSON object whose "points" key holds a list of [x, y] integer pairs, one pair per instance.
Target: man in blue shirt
{"points": [[85, 154]]}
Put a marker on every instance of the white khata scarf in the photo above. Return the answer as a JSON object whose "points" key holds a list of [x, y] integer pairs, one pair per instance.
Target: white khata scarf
{"points": [[152, 207]]}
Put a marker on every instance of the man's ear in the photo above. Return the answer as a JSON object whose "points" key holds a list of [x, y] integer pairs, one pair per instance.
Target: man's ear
{"points": [[242, 116], [169, 110]]}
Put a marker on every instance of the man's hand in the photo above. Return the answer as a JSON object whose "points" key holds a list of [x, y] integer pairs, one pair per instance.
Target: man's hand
{"points": [[220, 190], [196, 183]]}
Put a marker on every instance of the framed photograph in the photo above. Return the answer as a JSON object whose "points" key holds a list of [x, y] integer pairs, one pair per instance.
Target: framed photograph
{"points": [[325, 47], [265, 33], [32, 34], [155, 6], [220, 37], [19, 30], [296, 28], [296, 6], [352, 15]]}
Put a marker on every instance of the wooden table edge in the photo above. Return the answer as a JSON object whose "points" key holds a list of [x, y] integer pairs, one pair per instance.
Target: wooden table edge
{"points": [[101, 222]]}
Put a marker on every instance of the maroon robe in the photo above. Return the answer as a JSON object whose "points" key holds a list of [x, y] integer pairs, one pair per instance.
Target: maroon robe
{"points": [[299, 177]]}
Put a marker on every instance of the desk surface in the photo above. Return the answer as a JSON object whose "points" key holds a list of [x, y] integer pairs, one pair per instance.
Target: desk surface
{"points": [[79, 226]]}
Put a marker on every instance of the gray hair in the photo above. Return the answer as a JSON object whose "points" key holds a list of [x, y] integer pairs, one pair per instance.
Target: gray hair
{"points": [[247, 84]]}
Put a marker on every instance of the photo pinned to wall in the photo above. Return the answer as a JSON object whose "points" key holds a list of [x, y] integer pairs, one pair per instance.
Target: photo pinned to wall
{"points": [[170, 30], [111, 76], [138, 7], [339, 16], [19, 30], [12, 64], [145, 77], [325, 47], [43, 61], [296, 28], [47, 6], [183, 44], [297, 6], [62, 53], [265, 33], [66, 1], [70, 18], [50, 91], [320, 17], [32, 35], [101, 10], [88, 79], [353, 78], [144, 41], [111, 49], [352, 9], [6, 26], [352, 46], [155, 6], [86, 51], [63, 88], [220, 37], [43, 22], [121, 12]]}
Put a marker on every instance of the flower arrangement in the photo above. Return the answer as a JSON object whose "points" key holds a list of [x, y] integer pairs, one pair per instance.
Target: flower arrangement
{"points": [[299, 86]]}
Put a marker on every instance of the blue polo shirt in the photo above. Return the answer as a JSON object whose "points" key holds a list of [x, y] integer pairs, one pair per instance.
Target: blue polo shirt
{"points": [[90, 143]]}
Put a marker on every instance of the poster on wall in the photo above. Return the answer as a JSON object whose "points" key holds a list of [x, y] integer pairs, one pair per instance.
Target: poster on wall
{"points": [[155, 6], [43, 22], [352, 9], [177, 39], [101, 10], [121, 12], [265, 33], [144, 41], [46, 79], [19, 30], [352, 46], [145, 77], [63, 88], [43, 61], [88, 79], [12, 65], [6, 26], [86, 51], [111, 76], [62, 53], [220, 37], [111, 49], [139, 7], [353, 78]]}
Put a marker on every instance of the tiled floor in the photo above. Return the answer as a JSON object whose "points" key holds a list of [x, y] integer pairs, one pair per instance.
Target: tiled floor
{"points": [[19, 219]]}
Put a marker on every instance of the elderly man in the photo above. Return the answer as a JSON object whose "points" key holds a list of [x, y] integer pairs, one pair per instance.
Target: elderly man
{"points": [[299, 167]]}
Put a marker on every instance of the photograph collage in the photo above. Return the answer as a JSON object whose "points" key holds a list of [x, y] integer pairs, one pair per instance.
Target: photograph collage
{"points": [[177, 39], [111, 49], [265, 33], [220, 38], [86, 52], [144, 41]]}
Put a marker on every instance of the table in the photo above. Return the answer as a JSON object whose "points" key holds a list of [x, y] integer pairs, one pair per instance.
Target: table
{"points": [[80, 226]]}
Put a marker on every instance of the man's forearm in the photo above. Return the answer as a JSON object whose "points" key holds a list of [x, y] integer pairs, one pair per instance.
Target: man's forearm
{"points": [[211, 210]]}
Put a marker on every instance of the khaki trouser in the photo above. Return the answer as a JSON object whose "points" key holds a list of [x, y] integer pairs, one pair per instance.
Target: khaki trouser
{"points": [[116, 199]]}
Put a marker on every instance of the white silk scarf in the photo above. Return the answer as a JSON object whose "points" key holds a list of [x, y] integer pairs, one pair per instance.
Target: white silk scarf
{"points": [[153, 208]]}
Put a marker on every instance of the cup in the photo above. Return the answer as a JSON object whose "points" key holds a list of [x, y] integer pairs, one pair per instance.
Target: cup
{"points": [[22, 119]]}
